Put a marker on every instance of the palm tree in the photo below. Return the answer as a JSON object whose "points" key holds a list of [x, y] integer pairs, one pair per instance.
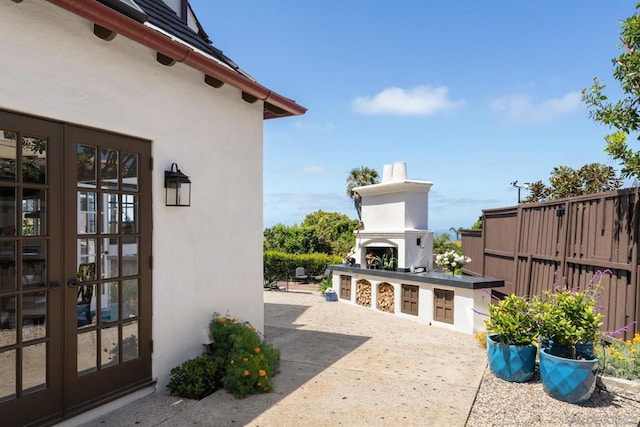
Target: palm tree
{"points": [[456, 231], [359, 177]]}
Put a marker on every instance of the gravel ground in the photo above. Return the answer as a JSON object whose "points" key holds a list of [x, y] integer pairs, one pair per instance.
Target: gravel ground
{"points": [[502, 403]]}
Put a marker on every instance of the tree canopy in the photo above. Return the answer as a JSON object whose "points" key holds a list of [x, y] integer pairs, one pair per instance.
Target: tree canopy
{"points": [[443, 243], [567, 182], [621, 116], [331, 233]]}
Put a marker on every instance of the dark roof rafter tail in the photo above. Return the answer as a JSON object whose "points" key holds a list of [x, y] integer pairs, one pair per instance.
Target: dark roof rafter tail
{"points": [[112, 20]]}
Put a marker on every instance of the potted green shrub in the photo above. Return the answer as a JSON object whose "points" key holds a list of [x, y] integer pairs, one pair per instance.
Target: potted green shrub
{"points": [[569, 324], [512, 330]]}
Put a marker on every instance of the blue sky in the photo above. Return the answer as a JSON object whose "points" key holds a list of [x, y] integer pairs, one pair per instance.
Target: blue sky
{"points": [[471, 95]]}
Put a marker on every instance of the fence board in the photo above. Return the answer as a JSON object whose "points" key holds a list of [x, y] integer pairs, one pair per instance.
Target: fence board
{"points": [[528, 246], [472, 241]]}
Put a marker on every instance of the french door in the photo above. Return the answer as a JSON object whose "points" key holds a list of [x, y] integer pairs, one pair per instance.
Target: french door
{"points": [[75, 282]]}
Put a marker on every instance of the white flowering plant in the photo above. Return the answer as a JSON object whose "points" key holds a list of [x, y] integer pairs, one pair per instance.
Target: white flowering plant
{"points": [[451, 261]]}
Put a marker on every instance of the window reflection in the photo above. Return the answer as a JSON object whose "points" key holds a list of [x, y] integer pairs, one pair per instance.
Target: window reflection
{"points": [[8, 155], [109, 347], [34, 263], [110, 306], [109, 258], [33, 212], [129, 172], [87, 352], [129, 256], [86, 164], [87, 254], [109, 169], [7, 211], [34, 368], [109, 213], [129, 214], [34, 315], [34, 159], [8, 320], [87, 212], [86, 305], [7, 266], [130, 344], [7, 375], [130, 298]]}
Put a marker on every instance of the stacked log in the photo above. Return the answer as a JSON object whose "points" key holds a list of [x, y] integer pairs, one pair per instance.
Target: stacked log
{"points": [[385, 298], [363, 293]]}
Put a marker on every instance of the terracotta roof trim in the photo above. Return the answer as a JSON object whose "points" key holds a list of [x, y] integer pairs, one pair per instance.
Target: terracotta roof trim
{"points": [[150, 37]]}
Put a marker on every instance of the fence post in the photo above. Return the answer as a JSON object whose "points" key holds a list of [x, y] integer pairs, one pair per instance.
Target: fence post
{"points": [[634, 254], [565, 220], [518, 288], [484, 243]]}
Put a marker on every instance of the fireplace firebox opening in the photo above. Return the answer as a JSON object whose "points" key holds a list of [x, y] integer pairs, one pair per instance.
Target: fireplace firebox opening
{"points": [[382, 258]]}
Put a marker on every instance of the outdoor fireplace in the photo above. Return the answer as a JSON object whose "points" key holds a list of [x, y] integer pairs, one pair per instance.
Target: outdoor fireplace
{"points": [[395, 218], [391, 268]]}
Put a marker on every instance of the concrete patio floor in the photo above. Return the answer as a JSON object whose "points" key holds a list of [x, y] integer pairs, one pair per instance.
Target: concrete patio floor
{"points": [[340, 365]]}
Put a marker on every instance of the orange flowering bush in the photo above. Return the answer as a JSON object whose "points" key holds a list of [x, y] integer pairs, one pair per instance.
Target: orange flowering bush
{"points": [[239, 359], [621, 358], [250, 361]]}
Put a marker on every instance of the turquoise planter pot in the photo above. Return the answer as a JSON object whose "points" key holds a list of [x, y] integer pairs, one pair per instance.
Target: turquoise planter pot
{"points": [[331, 296], [566, 351], [568, 380], [514, 363]]}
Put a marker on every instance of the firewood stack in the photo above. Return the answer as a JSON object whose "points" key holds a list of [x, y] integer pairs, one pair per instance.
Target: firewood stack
{"points": [[363, 293], [385, 298]]}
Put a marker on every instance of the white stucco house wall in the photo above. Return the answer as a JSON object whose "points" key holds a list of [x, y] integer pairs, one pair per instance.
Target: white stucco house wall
{"points": [[199, 113]]}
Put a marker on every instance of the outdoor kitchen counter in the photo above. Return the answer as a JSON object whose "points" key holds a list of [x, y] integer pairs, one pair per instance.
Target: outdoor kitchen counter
{"points": [[456, 281]]}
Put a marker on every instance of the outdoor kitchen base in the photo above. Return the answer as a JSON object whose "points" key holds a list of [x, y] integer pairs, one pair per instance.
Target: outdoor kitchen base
{"points": [[443, 300]]}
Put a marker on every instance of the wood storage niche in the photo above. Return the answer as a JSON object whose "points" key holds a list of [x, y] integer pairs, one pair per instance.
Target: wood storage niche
{"points": [[363, 293], [386, 298]]}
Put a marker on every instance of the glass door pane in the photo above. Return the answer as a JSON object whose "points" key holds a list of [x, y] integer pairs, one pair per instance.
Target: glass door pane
{"points": [[108, 340], [30, 340], [107, 252]]}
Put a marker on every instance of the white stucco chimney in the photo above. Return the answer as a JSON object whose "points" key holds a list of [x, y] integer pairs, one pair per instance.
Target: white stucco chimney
{"points": [[395, 215], [394, 172]]}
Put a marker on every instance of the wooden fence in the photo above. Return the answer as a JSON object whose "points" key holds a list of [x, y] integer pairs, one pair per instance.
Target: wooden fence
{"points": [[534, 245]]}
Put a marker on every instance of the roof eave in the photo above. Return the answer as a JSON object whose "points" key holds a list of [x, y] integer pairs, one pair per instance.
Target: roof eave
{"points": [[118, 23]]}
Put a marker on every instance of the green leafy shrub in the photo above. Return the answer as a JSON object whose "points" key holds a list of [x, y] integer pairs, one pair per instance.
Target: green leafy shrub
{"points": [[250, 369], [196, 378], [283, 265], [239, 359], [325, 284], [570, 317], [249, 361], [512, 321]]}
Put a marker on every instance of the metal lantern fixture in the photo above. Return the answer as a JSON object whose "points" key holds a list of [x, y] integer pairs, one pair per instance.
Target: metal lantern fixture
{"points": [[177, 187]]}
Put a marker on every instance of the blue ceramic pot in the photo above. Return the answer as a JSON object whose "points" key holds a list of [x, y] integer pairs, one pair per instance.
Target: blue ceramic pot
{"points": [[514, 363], [583, 350], [331, 296], [569, 380]]}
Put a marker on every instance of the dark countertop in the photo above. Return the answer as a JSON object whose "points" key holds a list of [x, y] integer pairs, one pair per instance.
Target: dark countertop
{"points": [[456, 281]]}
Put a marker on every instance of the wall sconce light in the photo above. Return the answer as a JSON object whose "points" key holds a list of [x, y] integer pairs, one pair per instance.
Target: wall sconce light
{"points": [[177, 187], [419, 241]]}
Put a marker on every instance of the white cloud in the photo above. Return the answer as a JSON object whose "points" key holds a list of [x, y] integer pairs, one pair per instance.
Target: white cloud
{"points": [[521, 108], [419, 101]]}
